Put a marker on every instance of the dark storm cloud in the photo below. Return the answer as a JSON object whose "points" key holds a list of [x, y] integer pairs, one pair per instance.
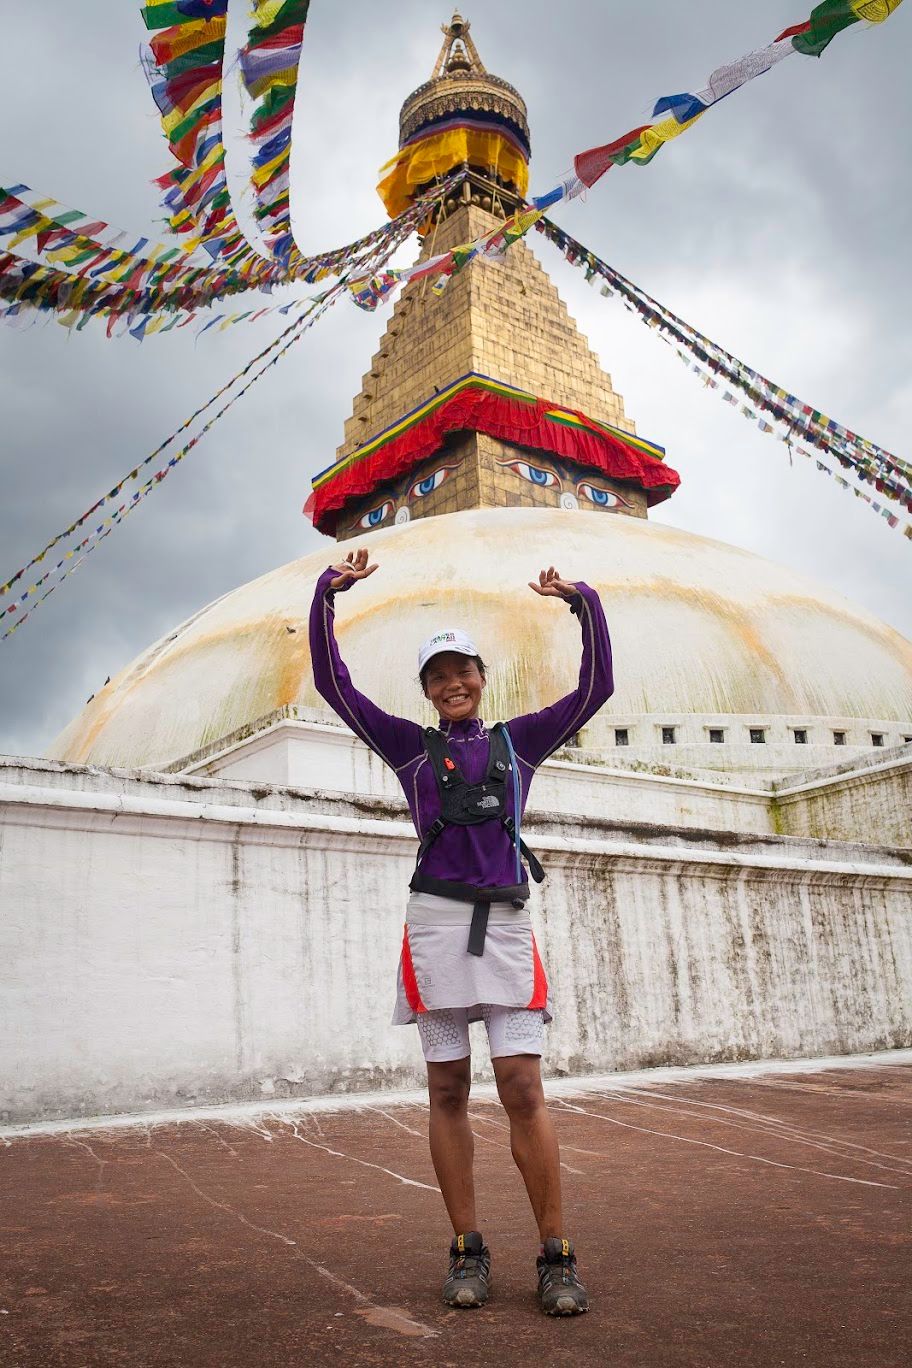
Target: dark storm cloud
{"points": [[777, 225]]}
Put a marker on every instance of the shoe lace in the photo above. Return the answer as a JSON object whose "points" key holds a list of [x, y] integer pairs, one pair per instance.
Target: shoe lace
{"points": [[465, 1265], [568, 1271], [564, 1268]]}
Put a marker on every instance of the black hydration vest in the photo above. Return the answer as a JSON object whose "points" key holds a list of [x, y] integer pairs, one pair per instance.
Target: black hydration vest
{"points": [[465, 804]]}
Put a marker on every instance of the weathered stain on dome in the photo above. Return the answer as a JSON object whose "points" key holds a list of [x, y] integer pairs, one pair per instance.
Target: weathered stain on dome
{"points": [[698, 628]]}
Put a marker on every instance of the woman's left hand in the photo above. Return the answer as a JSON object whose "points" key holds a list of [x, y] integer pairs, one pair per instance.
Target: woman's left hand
{"points": [[550, 583]]}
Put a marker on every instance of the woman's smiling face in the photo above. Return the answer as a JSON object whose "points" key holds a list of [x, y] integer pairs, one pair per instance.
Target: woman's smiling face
{"points": [[454, 683]]}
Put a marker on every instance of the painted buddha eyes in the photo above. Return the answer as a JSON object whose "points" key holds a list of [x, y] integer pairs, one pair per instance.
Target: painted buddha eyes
{"points": [[545, 479], [375, 516], [421, 488], [536, 475], [602, 497]]}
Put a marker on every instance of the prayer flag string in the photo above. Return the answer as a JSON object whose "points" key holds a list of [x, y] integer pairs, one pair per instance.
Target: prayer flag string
{"points": [[107, 525], [795, 421], [76, 554], [188, 58], [639, 145], [156, 292], [183, 64], [269, 67]]}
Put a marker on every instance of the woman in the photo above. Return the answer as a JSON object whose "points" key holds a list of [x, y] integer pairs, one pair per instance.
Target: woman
{"points": [[468, 951]]}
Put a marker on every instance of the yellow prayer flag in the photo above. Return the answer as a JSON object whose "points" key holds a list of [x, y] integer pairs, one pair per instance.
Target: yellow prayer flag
{"points": [[170, 121], [214, 158], [262, 173], [266, 11], [32, 231], [190, 36], [288, 76], [875, 11], [653, 138], [524, 220]]}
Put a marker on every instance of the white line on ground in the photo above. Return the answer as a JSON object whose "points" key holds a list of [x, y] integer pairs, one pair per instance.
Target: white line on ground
{"points": [[246, 1112]]}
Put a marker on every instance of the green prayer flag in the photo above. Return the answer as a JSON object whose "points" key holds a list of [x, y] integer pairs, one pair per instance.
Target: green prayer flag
{"points": [[207, 54], [827, 19], [163, 16], [292, 12]]}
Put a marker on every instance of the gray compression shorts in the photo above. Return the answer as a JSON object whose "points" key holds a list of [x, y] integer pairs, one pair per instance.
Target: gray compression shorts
{"points": [[444, 1032]]}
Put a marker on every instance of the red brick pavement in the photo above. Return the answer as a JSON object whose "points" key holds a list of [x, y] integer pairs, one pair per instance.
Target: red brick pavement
{"points": [[758, 1221]]}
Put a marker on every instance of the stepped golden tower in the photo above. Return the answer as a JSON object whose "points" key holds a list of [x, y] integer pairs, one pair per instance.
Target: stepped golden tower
{"points": [[498, 328]]}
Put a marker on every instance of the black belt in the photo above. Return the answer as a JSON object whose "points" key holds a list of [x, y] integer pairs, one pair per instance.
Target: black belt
{"points": [[480, 898]]}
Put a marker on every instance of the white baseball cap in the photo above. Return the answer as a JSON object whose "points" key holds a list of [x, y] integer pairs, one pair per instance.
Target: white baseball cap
{"points": [[447, 639]]}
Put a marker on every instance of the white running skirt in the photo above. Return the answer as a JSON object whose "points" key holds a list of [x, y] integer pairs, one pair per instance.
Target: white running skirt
{"points": [[436, 971]]}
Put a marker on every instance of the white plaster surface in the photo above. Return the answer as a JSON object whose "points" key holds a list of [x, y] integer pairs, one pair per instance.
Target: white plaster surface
{"points": [[869, 793], [173, 941], [839, 804], [701, 631], [291, 751]]}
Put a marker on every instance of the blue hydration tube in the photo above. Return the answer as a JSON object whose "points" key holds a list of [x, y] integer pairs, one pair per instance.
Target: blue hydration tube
{"points": [[514, 768]]}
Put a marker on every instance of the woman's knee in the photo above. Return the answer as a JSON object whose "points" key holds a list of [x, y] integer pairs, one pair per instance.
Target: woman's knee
{"points": [[519, 1086], [449, 1084]]}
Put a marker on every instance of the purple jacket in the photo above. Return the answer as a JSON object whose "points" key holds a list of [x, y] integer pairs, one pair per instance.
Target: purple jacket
{"points": [[481, 855]]}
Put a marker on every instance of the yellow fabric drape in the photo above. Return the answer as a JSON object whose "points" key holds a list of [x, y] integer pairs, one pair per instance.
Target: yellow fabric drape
{"points": [[439, 153]]}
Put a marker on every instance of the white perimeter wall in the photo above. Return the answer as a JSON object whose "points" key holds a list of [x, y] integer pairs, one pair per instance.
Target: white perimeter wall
{"points": [[309, 754], [171, 941]]}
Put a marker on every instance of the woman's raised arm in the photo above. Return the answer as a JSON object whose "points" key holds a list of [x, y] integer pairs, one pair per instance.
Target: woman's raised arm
{"points": [[395, 739], [536, 735]]}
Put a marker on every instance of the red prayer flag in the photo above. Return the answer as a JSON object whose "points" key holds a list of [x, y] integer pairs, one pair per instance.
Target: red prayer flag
{"points": [[592, 164], [793, 31]]}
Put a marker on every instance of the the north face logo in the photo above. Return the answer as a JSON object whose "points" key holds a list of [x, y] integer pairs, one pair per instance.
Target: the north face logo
{"points": [[488, 802]]}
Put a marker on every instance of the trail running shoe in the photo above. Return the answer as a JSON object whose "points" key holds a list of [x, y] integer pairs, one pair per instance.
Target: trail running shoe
{"points": [[469, 1278], [559, 1289]]}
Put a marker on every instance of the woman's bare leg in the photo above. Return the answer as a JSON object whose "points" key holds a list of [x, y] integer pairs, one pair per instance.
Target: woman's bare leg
{"points": [[533, 1139], [452, 1145]]}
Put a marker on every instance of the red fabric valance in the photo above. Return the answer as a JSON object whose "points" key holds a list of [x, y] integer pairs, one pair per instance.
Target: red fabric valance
{"points": [[526, 423]]}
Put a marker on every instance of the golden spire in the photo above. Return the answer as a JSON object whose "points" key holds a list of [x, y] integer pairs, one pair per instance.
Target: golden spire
{"points": [[458, 53]]}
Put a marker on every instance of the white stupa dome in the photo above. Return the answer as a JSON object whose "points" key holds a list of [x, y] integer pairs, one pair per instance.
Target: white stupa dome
{"points": [[704, 636]]}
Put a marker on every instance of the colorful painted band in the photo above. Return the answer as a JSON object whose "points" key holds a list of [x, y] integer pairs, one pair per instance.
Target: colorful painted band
{"points": [[477, 403]]}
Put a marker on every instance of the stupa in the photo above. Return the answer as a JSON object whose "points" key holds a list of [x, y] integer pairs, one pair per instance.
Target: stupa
{"points": [[487, 439], [216, 926]]}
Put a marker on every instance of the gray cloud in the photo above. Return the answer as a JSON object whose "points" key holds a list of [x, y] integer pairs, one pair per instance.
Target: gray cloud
{"points": [[775, 226]]}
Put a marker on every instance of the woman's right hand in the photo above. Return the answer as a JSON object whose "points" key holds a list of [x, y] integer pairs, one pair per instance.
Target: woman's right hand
{"points": [[354, 567]]}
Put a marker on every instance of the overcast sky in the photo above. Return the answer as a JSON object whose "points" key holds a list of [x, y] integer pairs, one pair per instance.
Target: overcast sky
{"points": [[779, 226]]}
